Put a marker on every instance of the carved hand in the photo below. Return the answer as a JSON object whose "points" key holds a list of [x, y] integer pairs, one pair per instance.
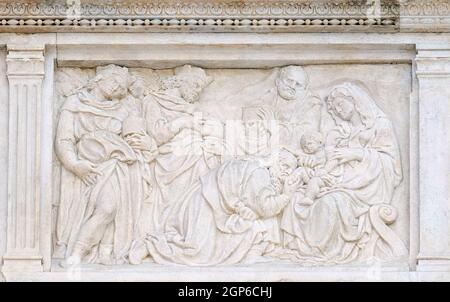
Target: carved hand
{"points": [[344, 155], [266, 114], [182, 122], [140, 142], [306, 161], [247, 213], [291, 184], [86, 171]]}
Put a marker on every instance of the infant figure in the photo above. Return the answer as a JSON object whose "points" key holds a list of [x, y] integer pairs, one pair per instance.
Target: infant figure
{"points": [[314, 170]]}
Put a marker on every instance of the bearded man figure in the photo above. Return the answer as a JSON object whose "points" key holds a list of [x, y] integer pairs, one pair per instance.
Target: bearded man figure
{"points": [[285, 97], [183, 155], [294, 105], [228, 217]]}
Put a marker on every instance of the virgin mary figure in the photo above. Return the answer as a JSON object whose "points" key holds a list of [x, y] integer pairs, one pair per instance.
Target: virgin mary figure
{"points": [[347, 220]]}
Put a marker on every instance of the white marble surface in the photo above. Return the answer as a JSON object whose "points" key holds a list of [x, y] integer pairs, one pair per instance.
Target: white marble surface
{"points": [[406, 75], [4, 154]]}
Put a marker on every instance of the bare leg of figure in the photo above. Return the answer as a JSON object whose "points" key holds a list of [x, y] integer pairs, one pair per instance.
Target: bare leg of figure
{"points": [[105, 251], [312, 190], [94, 229]]}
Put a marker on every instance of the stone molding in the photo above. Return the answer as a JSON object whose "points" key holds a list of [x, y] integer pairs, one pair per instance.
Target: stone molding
{"points": [[224, 16], [433, 63]]}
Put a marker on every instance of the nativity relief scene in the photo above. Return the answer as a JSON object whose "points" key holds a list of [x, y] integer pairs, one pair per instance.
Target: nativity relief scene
{"points": [[199, 167]]}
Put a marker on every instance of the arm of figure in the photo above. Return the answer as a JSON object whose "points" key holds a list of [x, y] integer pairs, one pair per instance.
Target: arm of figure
{"points": [[161, 131], [65, 141], [150, 156], [270, 203], [185, 122], [141, 141], [386, 146], [344, 155], [291, 150], [65, 146], [245, 212], [151, 153], [157, 124], [330, 165], [266, 113], [332, 138], [306, 161]]}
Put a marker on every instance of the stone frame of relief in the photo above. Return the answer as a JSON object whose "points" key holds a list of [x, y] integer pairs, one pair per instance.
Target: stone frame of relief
{"points": [[393, 73]]}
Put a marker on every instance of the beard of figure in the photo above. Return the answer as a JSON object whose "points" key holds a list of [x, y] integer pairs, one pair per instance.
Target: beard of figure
{"points": [[289, 93], [113, 93], [118, 93], [189, 93]]}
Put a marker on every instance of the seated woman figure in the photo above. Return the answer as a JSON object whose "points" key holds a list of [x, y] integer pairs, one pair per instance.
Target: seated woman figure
{"points": [[344, 222]]}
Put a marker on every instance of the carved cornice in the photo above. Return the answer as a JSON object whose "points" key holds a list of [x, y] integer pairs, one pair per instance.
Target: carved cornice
{"points": [[433, 62], [223, 16], [425, 15]]}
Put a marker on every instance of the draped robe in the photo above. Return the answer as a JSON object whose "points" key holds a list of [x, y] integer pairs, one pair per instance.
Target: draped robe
{"points": [[337, 228], [182, 159], [90, 129], [209, 228]]}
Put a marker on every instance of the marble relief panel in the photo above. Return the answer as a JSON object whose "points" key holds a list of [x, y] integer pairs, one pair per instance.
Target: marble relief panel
{"points": [[204, 167]]}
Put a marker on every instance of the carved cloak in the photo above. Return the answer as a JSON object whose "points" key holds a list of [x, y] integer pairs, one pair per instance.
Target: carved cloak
{"points": [[182, 159], [340, 226], [90, 129], [205, 229]]}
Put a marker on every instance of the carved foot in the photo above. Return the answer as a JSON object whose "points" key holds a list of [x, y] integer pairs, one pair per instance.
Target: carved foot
{"points": [[256, 253], [72, 261], [105, 254], [60, 251], [138, 254], [106, 260]]}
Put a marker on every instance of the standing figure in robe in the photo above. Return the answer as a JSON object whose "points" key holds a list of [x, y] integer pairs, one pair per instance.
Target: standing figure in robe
{"points": [[172, 122], [98, 208]]}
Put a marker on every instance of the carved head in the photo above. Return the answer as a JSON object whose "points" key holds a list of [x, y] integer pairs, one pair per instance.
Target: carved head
{"points": [[350, 98], [137, 87], [111, 81], [191, 81], [342, 103], [311, 142], [292, 83], [282, 167]]}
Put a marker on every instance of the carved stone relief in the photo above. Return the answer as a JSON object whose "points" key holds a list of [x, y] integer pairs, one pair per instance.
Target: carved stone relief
{"points": [[221, 167]]}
